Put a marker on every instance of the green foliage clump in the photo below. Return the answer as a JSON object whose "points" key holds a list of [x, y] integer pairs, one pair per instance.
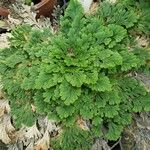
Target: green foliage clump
{"points": [[28, 2], [75, 140], [82, 71], [144, 21]]}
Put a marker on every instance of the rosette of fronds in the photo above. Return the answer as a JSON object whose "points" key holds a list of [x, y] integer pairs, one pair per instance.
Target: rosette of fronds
{"points": [[83, 72]]}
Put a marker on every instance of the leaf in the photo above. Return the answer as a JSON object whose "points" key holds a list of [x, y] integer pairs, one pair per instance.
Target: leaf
{"points": [[114, 111], [73, 13], [45, 81], [103, 35], [117, 14], [91, 77], [76, 78], [100, 102], [28, 83], [14, 59], [118, 32], [146, 102], [23, 114], [97, 131], [114, 131], [137, 106], [129, 61], [97, 120], [103, 84], [65, 111], [124, 117], [47, 95], [52, 67], [112, 61], [112, 97], [86, 112], [20, 36], [68, 93]]}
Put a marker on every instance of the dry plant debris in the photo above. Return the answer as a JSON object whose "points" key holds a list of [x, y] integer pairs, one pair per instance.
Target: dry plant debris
{"points": [[38, 138]]}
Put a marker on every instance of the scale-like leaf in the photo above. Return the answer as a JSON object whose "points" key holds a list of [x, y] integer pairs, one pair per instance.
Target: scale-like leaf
{"points": [[69, 93], [103, 84], [76, 78]]}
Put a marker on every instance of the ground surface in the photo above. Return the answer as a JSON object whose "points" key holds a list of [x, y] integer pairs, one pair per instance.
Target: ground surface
{"points": [[135, 136]]}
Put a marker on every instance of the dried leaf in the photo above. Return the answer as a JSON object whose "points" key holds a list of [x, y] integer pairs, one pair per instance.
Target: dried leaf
{"points": [[33, 132], [44, 143], [3, 134], [82, 124], [142, 41], [4, 107], [3, 41]]}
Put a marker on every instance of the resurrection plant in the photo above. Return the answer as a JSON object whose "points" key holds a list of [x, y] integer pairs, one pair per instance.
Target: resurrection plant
{"points": [[82, 76]]}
